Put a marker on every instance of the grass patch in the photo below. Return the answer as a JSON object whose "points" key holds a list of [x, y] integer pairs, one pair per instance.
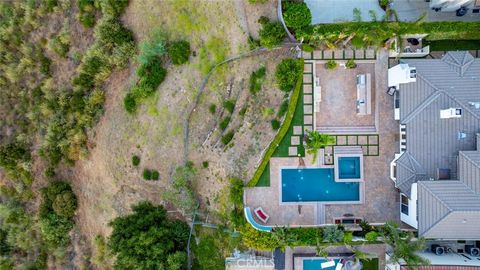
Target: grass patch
{"points": [[264, 180], [213, 52], [227, 138], [452, 45], [285, 130], [371, 264], [225, 122], [229, 105]]}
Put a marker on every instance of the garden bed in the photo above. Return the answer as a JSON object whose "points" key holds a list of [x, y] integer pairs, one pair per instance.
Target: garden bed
{"points": [[452, 45]]}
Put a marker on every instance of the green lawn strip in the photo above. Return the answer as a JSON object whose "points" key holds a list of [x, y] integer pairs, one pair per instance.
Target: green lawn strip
{"points": [[282, 149], [378, 32], [264, 180], [371, 264], [452, 45], [282, 132]]}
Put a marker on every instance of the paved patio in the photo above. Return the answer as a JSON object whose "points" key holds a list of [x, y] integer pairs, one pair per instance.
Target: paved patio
{"points": [[339, 96], [381, 197]]}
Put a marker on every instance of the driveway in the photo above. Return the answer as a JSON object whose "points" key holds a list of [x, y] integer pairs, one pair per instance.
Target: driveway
{"points": [[411, 10], [330, 11]]}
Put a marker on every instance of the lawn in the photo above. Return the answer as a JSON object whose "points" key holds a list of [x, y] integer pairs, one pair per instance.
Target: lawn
{"points": [[452, 45]]}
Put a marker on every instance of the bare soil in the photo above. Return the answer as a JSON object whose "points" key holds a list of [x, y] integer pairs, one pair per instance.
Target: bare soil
{"points": [[107, 184]]}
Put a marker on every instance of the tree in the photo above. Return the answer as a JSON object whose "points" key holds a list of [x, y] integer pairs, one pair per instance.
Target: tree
{"points": [[316, 141], [271, 33], [404, 247], [286, 74], [179, 51], [297, 15], [147, 239]]}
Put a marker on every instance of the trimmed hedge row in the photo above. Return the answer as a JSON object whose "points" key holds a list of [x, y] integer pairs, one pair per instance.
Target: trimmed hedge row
{"points": [[282, 132]]}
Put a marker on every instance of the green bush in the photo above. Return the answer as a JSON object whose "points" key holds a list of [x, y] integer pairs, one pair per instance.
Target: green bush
{"points": [[275, 124], [148, 239], [296, 15], [113, 8], [236, 191], [350, 64], [153, 48], [179, 51], [227, 138], [371, 236], [271, 33], [147, 174], [111, 33], [256, 80], [286, 74], [333, 234], [283, 129], [331, 64], [86, 13], [45, 65], [135, 160], [229, 105], [282, 110], [348, 237], [243, 111], [60, 44], [257, 1], [205, 164], [225, 122], [212, 108], [155, 175], [151, 76], [129, 103], [307, 48]]}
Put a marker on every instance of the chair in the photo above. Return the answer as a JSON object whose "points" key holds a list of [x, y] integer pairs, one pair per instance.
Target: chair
{"points": [[261, 214]]}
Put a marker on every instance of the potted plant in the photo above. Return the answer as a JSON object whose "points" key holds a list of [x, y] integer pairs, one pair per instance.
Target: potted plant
{"points": [[331, 64], [350, 64]]}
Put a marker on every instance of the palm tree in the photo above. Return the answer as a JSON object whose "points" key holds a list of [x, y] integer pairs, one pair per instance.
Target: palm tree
{"points": [[404, 247], [316, 141]]}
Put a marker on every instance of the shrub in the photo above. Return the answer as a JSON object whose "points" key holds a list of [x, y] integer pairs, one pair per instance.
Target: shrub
{"points": [[296, 15], [111, 33], [371, 236], [205, 164], [129, 103], [151, 76], [147, 174], [350, 64], [271, 33], [256, 80], [180, 192], [332, 234], [152, 48], [286, 74], [87, 19], [224, 123], [348, 237], [212, 108], [229, 105], [179, 51], [331, 64], [227, 138], [282, 110], [236, 191], [114, 8], [45, 65], [86, 13], [60, 44], [275, 124], [136, 160], [307, 48], [155, 175], [243, 111], [65, 204]]}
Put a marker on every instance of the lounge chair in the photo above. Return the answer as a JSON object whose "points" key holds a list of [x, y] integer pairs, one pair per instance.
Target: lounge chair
{"points": [[327, 264], [339, 266], [261, 214]]}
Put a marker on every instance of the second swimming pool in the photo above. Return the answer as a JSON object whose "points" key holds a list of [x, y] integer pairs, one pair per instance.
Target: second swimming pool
{"points": [[316, 185]]}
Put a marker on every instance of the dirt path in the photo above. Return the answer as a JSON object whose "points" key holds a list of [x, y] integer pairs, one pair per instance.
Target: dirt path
{"points": [[242, 16]]}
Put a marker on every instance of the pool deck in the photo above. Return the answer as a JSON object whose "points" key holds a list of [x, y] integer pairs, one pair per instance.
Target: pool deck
{"points": [[381, 197]]}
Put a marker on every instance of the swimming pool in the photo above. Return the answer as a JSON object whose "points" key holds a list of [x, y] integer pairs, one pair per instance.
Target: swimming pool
{"points": [[349, 167], [315, 264], [316, 185]]}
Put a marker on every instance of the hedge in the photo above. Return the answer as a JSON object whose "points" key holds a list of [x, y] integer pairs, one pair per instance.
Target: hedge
{"points": [[282, 132]]}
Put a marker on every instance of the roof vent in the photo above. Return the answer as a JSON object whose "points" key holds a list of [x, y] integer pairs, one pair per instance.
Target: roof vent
{"points": [[475, 104], [451, 113]]}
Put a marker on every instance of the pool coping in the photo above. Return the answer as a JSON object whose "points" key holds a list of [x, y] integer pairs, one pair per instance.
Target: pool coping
{"points": [[302, 256], [280, 197]]}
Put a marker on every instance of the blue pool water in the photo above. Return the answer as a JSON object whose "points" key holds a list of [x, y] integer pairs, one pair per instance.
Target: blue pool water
{"points": [[314, 264], [316, 185], [349, 167]]}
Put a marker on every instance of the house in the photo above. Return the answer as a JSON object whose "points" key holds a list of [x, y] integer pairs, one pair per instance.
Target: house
{"points": [[438, 167]]}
